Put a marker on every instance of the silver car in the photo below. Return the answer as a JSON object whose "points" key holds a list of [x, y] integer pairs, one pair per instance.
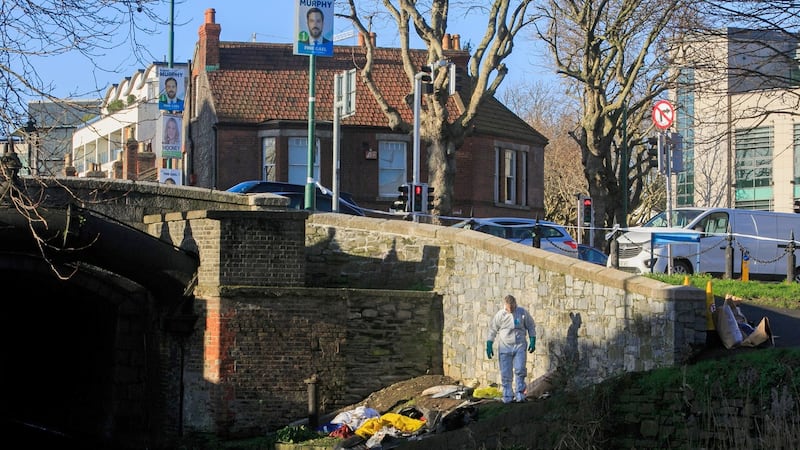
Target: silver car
{"points": [[552, 236]]}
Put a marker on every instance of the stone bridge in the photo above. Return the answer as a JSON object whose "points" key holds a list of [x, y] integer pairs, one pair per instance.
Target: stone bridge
{"points": [[149, 312]]}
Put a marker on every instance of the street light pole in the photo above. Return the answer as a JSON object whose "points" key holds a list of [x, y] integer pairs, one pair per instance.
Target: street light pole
{"points": [[32, 135]]}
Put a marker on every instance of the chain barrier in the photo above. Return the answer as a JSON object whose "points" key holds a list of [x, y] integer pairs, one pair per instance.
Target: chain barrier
{"points": [[615, 230], [746, 251]]}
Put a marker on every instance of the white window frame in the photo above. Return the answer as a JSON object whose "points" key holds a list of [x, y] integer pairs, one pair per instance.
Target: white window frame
{"points": [[268, 158], [511, 181], [298, 160], [392, 167]]}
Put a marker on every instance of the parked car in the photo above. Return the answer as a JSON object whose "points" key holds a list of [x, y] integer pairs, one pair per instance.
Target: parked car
{"points": [[296, 194], [553, 237], [592, 254]]}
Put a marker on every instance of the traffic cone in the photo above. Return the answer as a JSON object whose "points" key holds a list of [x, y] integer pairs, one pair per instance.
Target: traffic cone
{"points": [[686, 280]]}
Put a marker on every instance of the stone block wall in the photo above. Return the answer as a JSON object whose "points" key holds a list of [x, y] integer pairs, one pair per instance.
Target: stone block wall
{"points": [[592, 322], [256, 344]]}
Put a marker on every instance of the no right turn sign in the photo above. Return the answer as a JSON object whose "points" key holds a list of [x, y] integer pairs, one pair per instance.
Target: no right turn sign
{"points": [[663, 114]]}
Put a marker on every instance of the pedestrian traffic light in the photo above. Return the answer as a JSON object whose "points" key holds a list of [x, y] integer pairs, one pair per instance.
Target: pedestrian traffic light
{"points": [[587, 212], [419, 198], [402, 202]]}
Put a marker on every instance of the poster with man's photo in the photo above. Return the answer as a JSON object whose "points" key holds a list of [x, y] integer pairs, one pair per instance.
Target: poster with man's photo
{"points": [[170, 176], [172, 88], [313, 29], [171, 126]]}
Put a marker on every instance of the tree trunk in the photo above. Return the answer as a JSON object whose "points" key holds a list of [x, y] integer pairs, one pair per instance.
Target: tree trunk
{"points": [[441, 175]]}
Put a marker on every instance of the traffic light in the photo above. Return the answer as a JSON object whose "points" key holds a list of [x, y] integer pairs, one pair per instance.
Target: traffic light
{"points": [[419, 198], [652, 151], [427, 79], [676, 149], [402, 202], [429, 202], [455, 79], [587, 212]]}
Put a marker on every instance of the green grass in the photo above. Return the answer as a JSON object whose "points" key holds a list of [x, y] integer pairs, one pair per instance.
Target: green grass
{"points": [[778, 294]]}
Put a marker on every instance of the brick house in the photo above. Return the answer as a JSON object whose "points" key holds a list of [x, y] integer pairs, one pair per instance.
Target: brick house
{"points": [[248, 119]]}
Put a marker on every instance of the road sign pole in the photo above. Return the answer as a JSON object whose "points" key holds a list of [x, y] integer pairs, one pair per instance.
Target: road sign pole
{"points": [[311, 187], [337, 114]]}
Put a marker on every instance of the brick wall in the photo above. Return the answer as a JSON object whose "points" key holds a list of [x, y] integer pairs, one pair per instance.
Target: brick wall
{"points": [[254, 349]]}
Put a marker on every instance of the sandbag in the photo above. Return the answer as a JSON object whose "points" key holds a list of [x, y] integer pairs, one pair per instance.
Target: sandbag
{"points": [[760, 335], [727, 326]]}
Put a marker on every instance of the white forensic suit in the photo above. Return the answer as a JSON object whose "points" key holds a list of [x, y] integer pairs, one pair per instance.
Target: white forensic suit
{"points": [[509, 330]]}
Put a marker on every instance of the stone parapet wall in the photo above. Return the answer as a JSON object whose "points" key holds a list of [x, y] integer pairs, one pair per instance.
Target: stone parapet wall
{"points": [[592, 322]]}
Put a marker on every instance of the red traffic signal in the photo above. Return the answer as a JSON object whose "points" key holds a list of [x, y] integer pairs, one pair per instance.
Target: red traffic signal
{"points": [[587, 212]]}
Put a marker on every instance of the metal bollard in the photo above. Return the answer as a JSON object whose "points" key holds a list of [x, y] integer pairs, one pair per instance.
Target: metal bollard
{"points": [[313, 401], [729, 256], [790, 260]]}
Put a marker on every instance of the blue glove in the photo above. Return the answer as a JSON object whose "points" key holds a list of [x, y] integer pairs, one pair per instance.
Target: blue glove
{"points": [[489, 351], [532, 345]]}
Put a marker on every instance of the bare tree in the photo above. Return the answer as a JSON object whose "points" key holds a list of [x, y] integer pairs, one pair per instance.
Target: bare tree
{"points": [[542, 106], [613, 55], [35, 31], [486, 71], [31, 33]]}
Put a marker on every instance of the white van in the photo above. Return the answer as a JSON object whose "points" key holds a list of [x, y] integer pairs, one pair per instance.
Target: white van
{"points": [[698, 239]]}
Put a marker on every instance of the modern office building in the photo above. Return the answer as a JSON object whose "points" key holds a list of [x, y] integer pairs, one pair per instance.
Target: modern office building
{"points": [[738, 110]]}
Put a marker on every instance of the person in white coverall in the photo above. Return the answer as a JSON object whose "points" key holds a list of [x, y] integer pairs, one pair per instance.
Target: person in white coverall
{"points": [[509, 327]]}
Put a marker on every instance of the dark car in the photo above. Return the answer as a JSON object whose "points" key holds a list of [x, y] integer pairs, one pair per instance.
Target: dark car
{"points": [[296, 195]]}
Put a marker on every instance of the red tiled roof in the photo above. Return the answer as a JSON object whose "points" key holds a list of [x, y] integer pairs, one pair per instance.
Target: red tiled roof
{"points": [[259, 82]]}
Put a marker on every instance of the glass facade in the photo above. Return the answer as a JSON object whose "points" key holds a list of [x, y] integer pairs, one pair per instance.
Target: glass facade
{"points": [[754, 168], [684, 185]]}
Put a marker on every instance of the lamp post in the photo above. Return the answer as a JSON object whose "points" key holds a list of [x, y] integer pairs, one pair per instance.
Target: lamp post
{"points": [[32, 135]]}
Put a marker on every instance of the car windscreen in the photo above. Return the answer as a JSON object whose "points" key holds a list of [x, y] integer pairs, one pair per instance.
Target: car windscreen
{"points": [[680, 218], [322, 203], [242, 187]]}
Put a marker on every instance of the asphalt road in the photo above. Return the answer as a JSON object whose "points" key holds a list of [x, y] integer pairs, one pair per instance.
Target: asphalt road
{"points": [[784, 323]]}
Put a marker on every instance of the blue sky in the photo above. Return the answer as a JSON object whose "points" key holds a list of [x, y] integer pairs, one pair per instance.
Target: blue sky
{"points": [[246, 20]]}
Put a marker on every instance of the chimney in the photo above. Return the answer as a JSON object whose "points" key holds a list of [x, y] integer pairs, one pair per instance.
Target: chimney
{"points": [[361, 39], [446, 42], [456, 42], [208, 52], [373, 38]]}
